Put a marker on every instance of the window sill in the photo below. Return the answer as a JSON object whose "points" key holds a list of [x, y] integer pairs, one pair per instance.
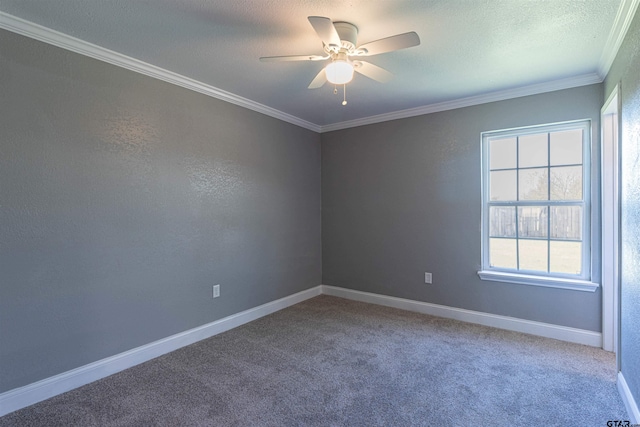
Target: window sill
{"points": [[549, 282]]}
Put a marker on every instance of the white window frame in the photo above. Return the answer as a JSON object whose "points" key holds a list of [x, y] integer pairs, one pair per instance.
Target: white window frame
{"points": [[580, 282]]}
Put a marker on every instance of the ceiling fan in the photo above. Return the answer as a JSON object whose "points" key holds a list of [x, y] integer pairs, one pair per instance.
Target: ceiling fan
{"points": [[339, 44]]}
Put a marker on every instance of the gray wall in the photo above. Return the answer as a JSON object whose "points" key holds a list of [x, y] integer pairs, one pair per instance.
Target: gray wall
{"points": [[404, 197], [123, 199], [626, 72]]}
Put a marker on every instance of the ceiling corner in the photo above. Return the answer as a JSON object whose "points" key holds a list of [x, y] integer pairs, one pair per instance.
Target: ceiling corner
{"points": [[64, 41], [626, 12]]}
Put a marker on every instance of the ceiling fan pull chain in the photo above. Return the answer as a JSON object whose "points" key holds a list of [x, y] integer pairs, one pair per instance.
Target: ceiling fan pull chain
{"points": [[344, 99], [335, 89]]}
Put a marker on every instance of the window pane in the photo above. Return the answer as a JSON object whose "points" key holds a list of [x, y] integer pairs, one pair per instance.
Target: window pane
{"points": [[566, 183], [533, 254], [532, 150], [534, 200], [532, 221], [502, 153], [502, 253], [566, 222], [502, 221], [566, 147], [533, 184], [566, 257], [503, 185]]}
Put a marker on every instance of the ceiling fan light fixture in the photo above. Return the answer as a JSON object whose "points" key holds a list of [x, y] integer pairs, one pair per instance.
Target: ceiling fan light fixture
{"points": [[339, 72], [339, 42]]}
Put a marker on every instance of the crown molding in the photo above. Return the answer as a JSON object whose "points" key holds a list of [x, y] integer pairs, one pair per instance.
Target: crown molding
{"points": [[621, 23], [38, 32], [502, 95], [64, 41]]}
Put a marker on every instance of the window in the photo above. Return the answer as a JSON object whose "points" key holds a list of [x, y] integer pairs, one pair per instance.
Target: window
{"points": [[536, 210]]}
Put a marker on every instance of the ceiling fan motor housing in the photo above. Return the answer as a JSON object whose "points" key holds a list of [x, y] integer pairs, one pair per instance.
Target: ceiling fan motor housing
{"points": [[348, 34]]}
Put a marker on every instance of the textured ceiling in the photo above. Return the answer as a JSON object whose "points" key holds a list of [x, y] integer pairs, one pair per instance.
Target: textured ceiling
{"points": [[469, 47]]}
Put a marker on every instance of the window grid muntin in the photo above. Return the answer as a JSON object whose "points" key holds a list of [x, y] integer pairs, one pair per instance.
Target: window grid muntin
{"points": [[585, 236]]}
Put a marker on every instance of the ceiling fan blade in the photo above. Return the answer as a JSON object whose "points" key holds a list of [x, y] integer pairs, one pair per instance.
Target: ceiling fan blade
{"points": [[319, 80], [325, 30], [389, 44], [373, 71], [293, 58]]}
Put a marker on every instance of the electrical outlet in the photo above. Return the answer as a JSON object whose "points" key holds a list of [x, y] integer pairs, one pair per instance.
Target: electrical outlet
{"points": [[427, 278], [216, 291]]}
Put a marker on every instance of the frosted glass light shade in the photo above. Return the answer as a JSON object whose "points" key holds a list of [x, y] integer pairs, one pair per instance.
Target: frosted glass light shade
{"points": [[339, 72]]}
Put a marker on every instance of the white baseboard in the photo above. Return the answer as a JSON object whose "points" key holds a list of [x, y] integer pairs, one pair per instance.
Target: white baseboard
{"points": [[629, 401], [579, 336], [18, 398]]}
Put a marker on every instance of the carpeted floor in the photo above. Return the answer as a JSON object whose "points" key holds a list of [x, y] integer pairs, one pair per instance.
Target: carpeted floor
{"points": [[334, 362]]}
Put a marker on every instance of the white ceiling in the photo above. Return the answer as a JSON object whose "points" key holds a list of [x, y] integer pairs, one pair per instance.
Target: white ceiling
{"points": [[470, 50]]}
